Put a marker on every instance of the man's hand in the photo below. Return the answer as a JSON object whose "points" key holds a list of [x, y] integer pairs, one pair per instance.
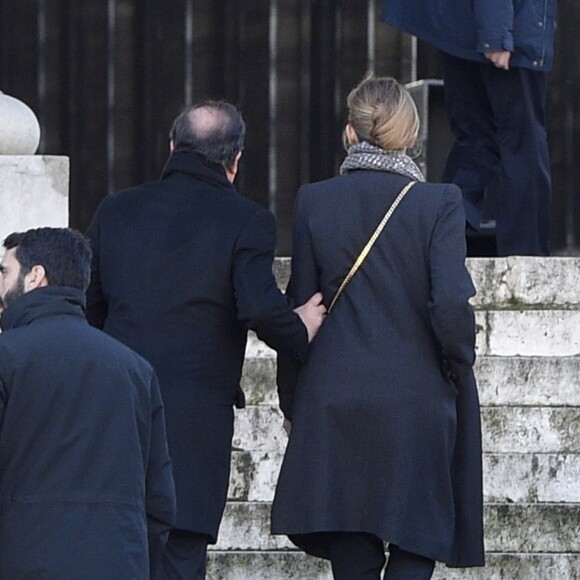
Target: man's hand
{"points": [[500, 58], [312, 314]]}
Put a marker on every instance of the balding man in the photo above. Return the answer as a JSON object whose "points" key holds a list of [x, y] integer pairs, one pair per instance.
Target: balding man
{"points": [[182, 268]]}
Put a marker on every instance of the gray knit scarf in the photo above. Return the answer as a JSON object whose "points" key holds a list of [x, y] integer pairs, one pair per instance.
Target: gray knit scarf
{"points": [[363, 155]]}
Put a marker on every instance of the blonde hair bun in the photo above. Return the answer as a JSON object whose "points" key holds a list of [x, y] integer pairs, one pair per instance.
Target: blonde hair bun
{"points": [[383, 113]]}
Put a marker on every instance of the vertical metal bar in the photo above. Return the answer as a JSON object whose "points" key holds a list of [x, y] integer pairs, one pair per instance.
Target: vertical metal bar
{"points": [[568, 171], [408, 58], [111, 18], [338, 46], [41, 69], [273, 102], [188, 57], [371, 34], [305, 73]]}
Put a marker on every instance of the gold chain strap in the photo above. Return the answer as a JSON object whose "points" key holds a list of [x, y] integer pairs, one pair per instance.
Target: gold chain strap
{"points": [[370, 243]]}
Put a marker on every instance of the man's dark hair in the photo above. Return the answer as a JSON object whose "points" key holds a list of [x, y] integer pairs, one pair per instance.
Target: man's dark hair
{"points": [[65, 255], [213, 129]]}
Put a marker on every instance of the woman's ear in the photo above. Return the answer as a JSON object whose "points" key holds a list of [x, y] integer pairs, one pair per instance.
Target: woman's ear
{"points": [[351, 136]]}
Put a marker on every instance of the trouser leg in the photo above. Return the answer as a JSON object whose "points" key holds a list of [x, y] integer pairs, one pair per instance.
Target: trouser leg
{"points": [[184, 557], [356, 556], [517, 98], [473, 162], [405, 565]]}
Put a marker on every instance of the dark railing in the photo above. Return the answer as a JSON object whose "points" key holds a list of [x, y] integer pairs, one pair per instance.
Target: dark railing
{"points": [[106, 78]]}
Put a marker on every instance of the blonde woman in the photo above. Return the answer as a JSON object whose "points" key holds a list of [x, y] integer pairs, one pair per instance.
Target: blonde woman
{"points": [[385, 441]]}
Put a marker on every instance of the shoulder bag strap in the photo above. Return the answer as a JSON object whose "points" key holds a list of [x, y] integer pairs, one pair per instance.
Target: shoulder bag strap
{"points": [[370, 243]]}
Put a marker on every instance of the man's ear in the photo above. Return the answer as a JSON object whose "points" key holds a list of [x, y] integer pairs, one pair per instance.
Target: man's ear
{"points": [[232, 170], [36, 278]]}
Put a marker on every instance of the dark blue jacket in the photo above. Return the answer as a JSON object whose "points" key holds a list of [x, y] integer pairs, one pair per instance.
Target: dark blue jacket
{"points": [[182, 268], [468, 28], [85, 475]]}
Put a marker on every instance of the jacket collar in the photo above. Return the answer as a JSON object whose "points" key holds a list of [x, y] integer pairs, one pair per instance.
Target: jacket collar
{"points": [[196, 166], [41, 303]]}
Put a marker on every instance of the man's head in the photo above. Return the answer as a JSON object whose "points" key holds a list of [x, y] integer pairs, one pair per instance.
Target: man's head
{"points": [[43, 257], [213, 129]]}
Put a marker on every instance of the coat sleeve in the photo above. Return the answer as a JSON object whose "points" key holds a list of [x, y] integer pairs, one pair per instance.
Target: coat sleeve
{"points": [[452, 316], [160, 489], [260, 303], [97, 308], [304, 282], [494, 23]]}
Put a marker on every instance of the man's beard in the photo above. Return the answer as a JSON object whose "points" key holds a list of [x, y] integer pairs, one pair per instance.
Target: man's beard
{"points": [[13, 294]]}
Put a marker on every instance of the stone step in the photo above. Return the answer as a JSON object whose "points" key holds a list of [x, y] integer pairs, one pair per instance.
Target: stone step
{"points": [[293, 565], [513, 381], [528, 332], [508, 478], [508, 283], [504, 429], [524, 282], [508, 528]]}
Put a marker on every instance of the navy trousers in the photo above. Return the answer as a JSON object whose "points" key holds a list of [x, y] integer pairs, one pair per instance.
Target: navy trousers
{"points": [[361, 556], [184, 557], [498, 120]]}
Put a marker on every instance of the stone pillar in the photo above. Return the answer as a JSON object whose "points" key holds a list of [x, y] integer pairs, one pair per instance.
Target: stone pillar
{"points": [[33, 188]]}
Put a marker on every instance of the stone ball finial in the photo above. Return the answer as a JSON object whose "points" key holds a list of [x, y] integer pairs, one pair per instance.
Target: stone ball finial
{"points": [[19, 128]]}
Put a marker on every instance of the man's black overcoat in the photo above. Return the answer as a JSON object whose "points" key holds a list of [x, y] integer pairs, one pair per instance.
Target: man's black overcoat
{"points": [[182, 268], [85, 474], [381, 440]]}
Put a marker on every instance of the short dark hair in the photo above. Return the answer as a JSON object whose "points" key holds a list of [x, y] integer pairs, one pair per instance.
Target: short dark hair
{"points": [[65, 255], [219, 140]]}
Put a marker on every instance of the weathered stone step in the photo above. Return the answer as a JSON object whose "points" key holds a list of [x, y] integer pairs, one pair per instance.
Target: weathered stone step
{"points": [[504, 429], [507, 333], [528, 332], [508, 478], [508, 528], [297, 566], [513, 381], [508, 283]]}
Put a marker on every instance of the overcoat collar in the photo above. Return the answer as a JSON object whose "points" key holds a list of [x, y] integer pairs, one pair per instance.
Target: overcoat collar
{"points": [[196, 166], [41, 303]]}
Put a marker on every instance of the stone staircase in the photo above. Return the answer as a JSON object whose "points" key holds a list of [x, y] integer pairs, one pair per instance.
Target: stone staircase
{"points": [[528, 370]]}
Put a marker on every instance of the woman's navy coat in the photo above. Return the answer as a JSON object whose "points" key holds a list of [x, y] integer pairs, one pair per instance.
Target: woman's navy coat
{"points": [[468, 28], [382, 441], [85, 476]]}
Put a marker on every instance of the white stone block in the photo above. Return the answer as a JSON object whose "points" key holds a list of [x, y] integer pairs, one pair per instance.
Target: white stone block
{"points": [[531, 429], [528, 381], [504, 429], [520, 281], [513, 381], [259, 428], [508, 477], [531, 478], [514, 282], [33, 192], [508, 528], [294, 565], [529, 333]]}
